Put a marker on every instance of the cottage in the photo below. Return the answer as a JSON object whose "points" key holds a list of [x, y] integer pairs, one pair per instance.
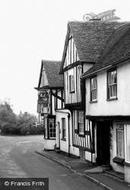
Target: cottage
{"points": [[84, 44], [50, 98], [107, 105]]}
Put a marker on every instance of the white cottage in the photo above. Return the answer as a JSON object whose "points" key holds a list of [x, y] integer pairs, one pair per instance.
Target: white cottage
{"points": [[50, 98], [107, 106]]}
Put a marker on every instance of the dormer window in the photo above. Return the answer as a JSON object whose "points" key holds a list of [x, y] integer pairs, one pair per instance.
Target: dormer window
{"points": [[112, 84]]}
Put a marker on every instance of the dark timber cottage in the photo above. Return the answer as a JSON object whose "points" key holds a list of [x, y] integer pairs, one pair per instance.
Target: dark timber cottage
{"points": [[50, 98]]}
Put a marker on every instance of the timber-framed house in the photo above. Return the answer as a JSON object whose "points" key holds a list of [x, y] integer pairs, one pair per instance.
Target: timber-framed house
{"points": [[50, 98], [84, 44]]}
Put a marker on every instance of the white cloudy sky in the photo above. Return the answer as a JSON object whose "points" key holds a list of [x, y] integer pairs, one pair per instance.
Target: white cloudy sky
{"points": [[31, 30]]}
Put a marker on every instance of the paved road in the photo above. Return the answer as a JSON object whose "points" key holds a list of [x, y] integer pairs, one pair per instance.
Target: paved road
{"points": [[18, 159]]}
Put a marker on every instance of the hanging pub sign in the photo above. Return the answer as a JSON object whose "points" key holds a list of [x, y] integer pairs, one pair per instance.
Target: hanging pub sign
{"points": [[43, 98]]}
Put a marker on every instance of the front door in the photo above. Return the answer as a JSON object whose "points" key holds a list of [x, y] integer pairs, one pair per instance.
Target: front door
{"points": [[103, 142]]}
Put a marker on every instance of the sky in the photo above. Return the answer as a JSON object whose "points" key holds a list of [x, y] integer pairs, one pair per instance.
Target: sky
{"points": [[32, 30]]}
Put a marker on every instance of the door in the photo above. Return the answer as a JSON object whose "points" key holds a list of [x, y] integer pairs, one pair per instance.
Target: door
{"points": [[103, 143]]}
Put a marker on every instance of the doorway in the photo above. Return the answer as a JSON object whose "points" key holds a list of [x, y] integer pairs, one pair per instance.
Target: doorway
{"points": [[103, 143]]}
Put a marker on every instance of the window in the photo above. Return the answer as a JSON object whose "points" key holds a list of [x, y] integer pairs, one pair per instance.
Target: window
{"points": [[63, 129], [71, 84], [93, 89], [120, 140], [81, 122], [52, 128], [112, 84]]}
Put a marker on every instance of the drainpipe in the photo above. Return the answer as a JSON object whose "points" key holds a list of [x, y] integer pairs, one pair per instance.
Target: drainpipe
{"points": [[68, 134]]}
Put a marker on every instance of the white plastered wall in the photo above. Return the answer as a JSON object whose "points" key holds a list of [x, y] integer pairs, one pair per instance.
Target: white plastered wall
{"points": [[102, 106], [65, 146]]}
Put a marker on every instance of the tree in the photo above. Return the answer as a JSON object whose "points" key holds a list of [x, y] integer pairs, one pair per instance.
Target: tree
{"points": [[7, 117], [25, 121], [21, 124]]}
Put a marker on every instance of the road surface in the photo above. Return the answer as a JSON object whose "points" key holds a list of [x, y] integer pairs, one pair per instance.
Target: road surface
{"points": [[18, 159]]}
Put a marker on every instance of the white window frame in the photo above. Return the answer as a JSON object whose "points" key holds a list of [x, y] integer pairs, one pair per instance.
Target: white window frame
{"points": [[112, 84], [93, 89], [120, 143], [52, 130]]}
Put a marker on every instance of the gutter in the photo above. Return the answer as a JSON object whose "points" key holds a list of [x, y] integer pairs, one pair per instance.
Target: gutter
{"points": [[94, 72], [120, 62]]}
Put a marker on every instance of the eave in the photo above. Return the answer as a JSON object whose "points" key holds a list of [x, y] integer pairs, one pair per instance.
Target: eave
{"points": [[75, 64], [115, 64], [108, 117]]}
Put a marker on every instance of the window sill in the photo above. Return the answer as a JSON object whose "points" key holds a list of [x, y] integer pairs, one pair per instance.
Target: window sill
{"points": [[119, 161], [111, 99], [93, 101]]}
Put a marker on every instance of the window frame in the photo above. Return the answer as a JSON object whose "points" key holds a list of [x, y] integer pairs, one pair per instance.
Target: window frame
{"points": [[120, 146], [93, 89], [53, 129], [71, 84], [63, 124], [110, 86], [81, 123]]}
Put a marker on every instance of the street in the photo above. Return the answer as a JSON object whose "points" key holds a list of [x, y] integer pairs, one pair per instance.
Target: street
{"points": [[18, 159]]}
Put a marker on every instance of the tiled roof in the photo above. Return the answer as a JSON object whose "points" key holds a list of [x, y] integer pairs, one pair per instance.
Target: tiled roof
{"points": [[90, 39], [52, 71], [117, 50]]}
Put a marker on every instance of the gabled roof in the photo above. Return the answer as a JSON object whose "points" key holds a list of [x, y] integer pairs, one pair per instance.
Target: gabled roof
{"points": [[90, 39], [52, 72], [116, 51]]}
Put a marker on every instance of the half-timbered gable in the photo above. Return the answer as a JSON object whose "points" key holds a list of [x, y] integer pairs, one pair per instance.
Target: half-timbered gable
{"points": [[50, 98], [85, 42], [71, 53]]}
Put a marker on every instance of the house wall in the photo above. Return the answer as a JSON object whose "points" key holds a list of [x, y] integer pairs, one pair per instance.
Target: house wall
{"points": [[76, 71], [49, 144], [116, 107], [119, 107], [113, 149], [65, 146]]}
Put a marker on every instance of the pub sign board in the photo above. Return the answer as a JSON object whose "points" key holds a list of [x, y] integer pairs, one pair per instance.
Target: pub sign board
{"points": [[43, 98]]}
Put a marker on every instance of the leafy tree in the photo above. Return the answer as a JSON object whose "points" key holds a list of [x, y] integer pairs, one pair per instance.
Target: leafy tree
{"points": [[7, 117], [21, 124]]}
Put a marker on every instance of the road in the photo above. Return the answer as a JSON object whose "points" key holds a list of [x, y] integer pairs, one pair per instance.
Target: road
{"points": [[18, 159]]}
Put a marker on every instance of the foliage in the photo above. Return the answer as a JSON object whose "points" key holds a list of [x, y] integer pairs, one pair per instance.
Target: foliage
{"points": [[22, 124]]}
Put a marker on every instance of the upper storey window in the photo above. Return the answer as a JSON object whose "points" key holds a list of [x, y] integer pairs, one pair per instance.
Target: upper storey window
{"points": [[112, 84], [71, 84], [71, 53], [93, 89]]}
